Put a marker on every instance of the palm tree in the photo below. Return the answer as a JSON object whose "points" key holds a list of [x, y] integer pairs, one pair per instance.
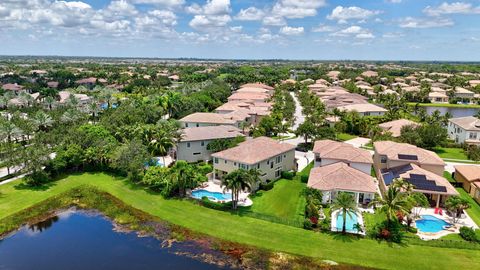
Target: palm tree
{"points": [[344, 202], [93, 109], [4, 101], [8, 132], [456, 205], [107, 95], [70, 116], [183, 176], [43, 120], [49, 101], [161, 142], [393, 203], [403, 185], [236, 181], [72, 100]]}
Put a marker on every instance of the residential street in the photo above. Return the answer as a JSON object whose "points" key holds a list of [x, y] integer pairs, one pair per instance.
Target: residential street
{"points": [[299, 117]]}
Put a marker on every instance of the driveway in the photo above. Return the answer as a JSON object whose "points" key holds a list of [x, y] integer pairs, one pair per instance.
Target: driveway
{"points": [[299, 117], [358, 142], [303, 159]]}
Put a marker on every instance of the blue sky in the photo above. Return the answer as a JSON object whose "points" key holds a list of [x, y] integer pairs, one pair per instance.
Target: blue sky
{"points": [[244, 29]]}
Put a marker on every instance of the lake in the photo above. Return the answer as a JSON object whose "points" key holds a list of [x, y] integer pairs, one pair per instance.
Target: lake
{"points": [[455, 112], [83, 240]]}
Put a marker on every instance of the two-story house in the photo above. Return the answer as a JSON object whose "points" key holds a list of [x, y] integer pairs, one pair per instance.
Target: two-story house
{"points": [[464, 130]]}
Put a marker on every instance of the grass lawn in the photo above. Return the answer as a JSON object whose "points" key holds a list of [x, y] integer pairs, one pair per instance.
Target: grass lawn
{"points": [[365, 252], [474, 210], [285, 200], [345, 137], [451, 153], [448, 176]]}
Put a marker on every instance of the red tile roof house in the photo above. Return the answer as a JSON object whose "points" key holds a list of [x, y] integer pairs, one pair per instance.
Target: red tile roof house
{"points": [[90, 82], [422, 168], [16, 88], [268, 156], [328, 152], [201, 119], [395, 126], [469, 176], [194, 142]]}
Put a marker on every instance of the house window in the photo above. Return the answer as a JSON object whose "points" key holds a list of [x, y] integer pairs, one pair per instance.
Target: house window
{"points": [[473, 135], [216, 160], [202, 143], [188, 144], [258, 166], [186, 124], [383, 159], [234, 164], [271, 165], [278, 172], [196, 154], [198, 125], [278, 159], [225, 161], [366, 113]]}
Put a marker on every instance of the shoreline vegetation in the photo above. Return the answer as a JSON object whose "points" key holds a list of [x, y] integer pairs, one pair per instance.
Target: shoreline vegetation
{"points": [[307, 247], [445, 105]]}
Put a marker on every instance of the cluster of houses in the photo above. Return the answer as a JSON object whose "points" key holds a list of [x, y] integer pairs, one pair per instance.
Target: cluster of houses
{"points": [[244, 109]]}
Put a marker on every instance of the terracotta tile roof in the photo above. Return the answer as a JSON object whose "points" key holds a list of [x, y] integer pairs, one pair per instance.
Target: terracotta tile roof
{"points": [[252, 90], [393, 149], [213, 118], [210, 133], [257, 85], [87, 80], [255, 150], [369, 73], [248, 96], [341, 151], [395, 126], [470, 172], [340, 176], [467, 123], [12, 87]]}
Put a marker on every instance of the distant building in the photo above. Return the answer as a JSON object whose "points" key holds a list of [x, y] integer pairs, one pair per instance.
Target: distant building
{"points": [[365, 109], [202, 119], [395, 126], [464, 130], [328, 152]]}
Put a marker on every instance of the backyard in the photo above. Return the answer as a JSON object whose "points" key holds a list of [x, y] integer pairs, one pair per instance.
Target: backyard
{"points": [[15, 197], [450, 153]]}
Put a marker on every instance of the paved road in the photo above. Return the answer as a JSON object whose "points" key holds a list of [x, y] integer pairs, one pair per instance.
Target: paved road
{"points": [[299, 117]]}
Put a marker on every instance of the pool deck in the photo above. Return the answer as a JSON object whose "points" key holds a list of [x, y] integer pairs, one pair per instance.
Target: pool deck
{"points": [[214, 187], [464, 221]]}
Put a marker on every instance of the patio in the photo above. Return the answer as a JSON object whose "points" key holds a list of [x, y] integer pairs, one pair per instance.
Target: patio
{"points": [[214, 186]]}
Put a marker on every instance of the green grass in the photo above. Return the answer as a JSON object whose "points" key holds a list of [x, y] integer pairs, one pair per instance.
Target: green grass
{"points": [[445, 105], [345, 136], [474, 210], [365, 252], [285, 200], [451, 153], [449, 177]]}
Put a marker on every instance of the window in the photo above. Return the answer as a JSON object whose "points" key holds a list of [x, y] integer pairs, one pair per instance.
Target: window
{"points": [[202, 143], [366, 113], [271, 165], [188, 144], [258, 166], [234, 164], [383, 159], [278, 159], [196, 154], [473, 135], [198, 125], [186, 124], [216, 160], [278, 172], [225, 161]]}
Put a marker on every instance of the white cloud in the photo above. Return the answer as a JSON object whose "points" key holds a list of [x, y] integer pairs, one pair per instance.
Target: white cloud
{"points": [[295, 9], [274, 21], [323, 28], [167, 3], [236, 29], [343, 14], [211, 7], [410, 22], [167, 17], [206, 23], [250, 14], [354, 31], [292, 31], [451, 8], [393, 1]]}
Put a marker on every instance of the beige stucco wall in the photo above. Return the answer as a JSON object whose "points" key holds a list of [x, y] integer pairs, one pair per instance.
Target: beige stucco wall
{"points": [[187, 153], [265, 167]]}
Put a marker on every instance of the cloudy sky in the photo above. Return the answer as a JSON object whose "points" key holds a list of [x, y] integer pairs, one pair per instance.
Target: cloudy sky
{"points": [[246, 29]]}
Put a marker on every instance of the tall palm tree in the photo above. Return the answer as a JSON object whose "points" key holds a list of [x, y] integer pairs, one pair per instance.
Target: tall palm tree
{"points": [[237, 181], [183, 176], [93, 109], [403, 185], [393, 203], [161, 142], [107, 95], [49, 101], [345, 202], [43, 120], [70, 116]]}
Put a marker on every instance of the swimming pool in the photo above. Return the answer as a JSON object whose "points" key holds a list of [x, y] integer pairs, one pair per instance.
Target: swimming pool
{"points": [[352, 219], [213, 196], [431, 224]]}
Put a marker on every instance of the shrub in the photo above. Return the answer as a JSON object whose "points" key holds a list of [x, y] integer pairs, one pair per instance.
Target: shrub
{"points": [[267, 186], [390, 232], [36, 178], [215, 205], [304, 178], [412, 230], [307, 224], [324, 225], [288, 175], [468, 234]]}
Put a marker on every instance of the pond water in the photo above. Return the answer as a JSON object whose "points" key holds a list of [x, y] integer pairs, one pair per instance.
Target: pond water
{"points": [[81, 240], [455, 112]]}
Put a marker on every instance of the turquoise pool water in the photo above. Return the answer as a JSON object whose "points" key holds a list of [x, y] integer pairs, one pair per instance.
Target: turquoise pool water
{"points": [[213, 196], [431, 224], [352, 219]]}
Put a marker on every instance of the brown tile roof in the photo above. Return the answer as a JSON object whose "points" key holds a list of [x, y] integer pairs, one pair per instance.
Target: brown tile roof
{"points": [[12, 87], [393, 149], [210, 133], [201, 117], [341, 151], [361, 108], [86, 80], [395, 126], [470, 172], [340, 176], [255, 150], [252, 90], [369, 73], [467, 123], [257, 85], [248, 96]]}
